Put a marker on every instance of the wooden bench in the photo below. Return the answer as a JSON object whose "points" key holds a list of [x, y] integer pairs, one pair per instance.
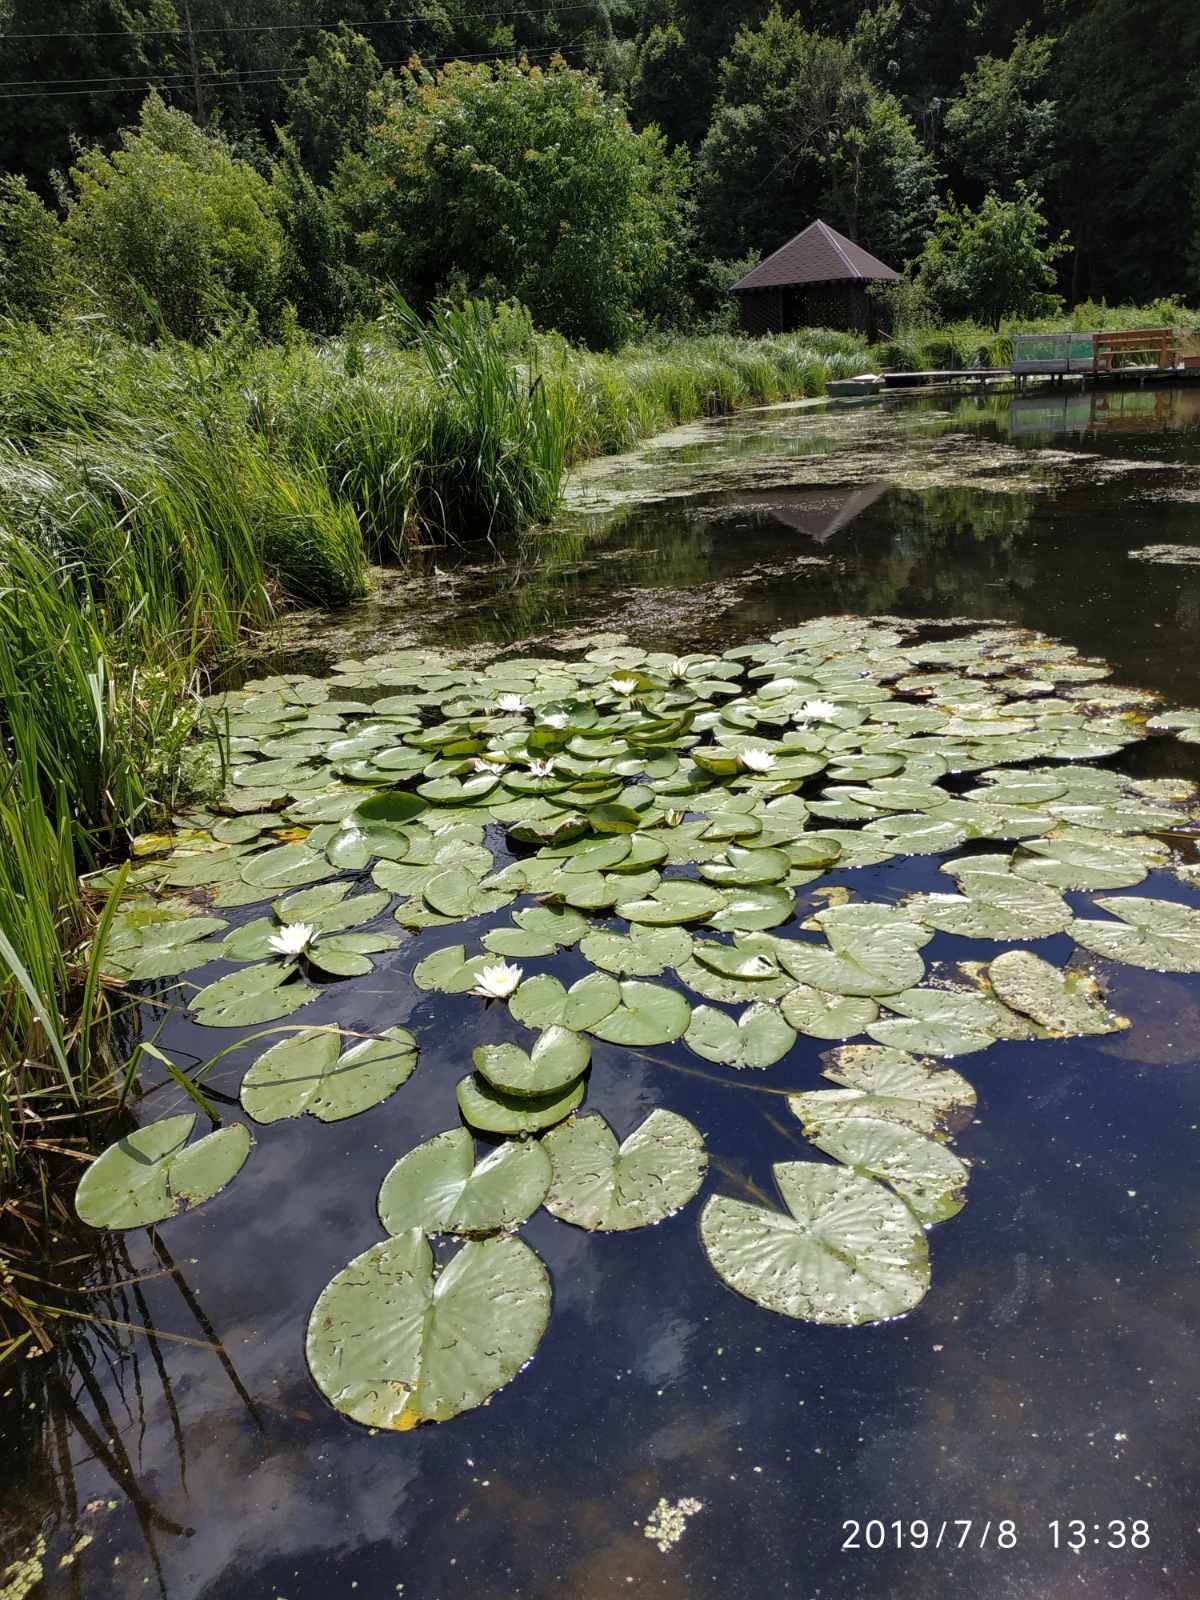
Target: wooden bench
{"points": [[1130, 347]]}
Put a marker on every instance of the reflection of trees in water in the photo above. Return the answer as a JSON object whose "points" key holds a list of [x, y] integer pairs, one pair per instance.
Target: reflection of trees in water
{"points": [[88, 1403]]}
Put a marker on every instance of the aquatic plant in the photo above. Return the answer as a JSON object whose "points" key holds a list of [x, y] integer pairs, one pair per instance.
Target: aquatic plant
{"points": [[643, 842]]}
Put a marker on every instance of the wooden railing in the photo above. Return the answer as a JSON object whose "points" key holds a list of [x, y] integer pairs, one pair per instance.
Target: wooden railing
{"points": [[1133, 347]]}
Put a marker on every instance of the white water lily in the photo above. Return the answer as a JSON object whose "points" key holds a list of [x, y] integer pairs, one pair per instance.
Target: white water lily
{"points": [[623, 685], [817, 711], [542, 769], [678, 668], [756, 760], [293, 939], [485, 764], [510, 702], [555, 719], [498, 982]]}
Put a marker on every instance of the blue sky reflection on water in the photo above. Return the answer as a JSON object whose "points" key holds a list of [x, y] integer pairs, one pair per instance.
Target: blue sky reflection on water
{"points": [[1050, 1373]]}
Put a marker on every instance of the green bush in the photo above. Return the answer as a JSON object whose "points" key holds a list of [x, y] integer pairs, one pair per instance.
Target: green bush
{"points": [[29, 280], [172, 231], [520, 181]]}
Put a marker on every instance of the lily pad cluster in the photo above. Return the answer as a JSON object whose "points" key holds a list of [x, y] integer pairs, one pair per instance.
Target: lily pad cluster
{"points": [[659, 829]]}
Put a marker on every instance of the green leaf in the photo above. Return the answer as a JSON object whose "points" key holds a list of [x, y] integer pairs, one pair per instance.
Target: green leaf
{"points": [[440, 1188], [491, 1111], [605, 1188], [153, 1173], [252, 995], [285, 867], [392, 1343], [1064, 1003], [881, 1082], [394, 806], [542, 1002], [760, 1037], [746, 910], [675, 901], [305, 1073], [744, 868], [540, 931], [827, 1016], [1080, 860], [557, 1059], [1161, 935], [647, 1014], [925, 1175], [645, 952], [845, 1251]]}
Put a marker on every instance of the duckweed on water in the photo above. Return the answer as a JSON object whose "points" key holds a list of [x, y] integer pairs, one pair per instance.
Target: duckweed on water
{"points": [[656, 816]]}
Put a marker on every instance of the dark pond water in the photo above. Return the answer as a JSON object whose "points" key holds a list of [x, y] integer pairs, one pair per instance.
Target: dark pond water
{"points": [[1050, 1375]]}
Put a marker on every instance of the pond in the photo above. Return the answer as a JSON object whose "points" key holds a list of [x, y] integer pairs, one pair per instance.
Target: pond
{"points": [[1027, 1429]]}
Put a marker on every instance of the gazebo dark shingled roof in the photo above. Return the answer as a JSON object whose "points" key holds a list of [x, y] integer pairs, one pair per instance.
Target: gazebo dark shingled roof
{"points": [[818, 255]]}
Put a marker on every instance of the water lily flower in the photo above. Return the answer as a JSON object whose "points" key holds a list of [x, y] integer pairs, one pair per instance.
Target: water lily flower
{"points": [[487, 764], [623, 685], [678, 668], [756, 760], [542, 769], [293, 939], [817, 711], [510, 702], [498, 982], [555, 719]]}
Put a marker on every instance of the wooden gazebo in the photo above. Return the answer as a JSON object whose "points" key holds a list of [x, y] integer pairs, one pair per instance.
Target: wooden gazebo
{"points": [[817, 280]]}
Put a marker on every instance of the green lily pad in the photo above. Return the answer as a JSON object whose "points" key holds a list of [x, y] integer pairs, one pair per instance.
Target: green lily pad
{"points": [[305, 1073], [744, 868], [449, 971], [644, 952], [257, 994], [674, 902], [153, 1173], [607, 1188], [542, 1002], [392, 1342], [440, 1188], [846, 1251], [490, 1110], [647, 1014], [760, 1037], [287, 866], [558, 1058], [892, 1084], [539, 931], [163, 949], [926, 1176], [1064, 1003], [750, 910], [1161, 935], [1080, 860], [827, 1016]]}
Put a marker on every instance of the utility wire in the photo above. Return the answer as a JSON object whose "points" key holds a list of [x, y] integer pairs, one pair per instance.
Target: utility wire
{"points": [[292, 27], [257, 76]]}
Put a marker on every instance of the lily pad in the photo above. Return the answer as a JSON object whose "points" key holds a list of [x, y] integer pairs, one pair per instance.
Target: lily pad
{"points": [[926, 1176], [827, 1016], [392, 1342], [1161, 935], [558, 1058], [440, 1188], [760, 1037], [882, 1082], [607, 1188], [1064, 1003], [675, 901], [543, 1002], [153, 1173], [257, 994], [492, 1111], [846, 1251], [644, 952], [647, 1014], [305, 1072]]}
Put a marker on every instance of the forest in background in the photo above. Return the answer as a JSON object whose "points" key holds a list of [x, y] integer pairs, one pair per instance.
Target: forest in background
{"points": [[294, 163]]}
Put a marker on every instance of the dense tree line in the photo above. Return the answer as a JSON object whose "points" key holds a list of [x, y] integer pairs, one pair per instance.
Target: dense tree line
{"points": [[610, 163]]}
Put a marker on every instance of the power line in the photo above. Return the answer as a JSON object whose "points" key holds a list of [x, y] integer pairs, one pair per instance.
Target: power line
{"points": [[255, 77], [292, 27]]}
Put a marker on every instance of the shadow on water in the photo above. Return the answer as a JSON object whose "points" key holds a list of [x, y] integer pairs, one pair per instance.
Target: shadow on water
{"points": [[1050, 1373]]}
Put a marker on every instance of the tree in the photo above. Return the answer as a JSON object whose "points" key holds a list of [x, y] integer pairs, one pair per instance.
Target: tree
{"points": [[171, 230], [313, 278], [800, 131], [29, 281], [992, 263], [519, 181], [328, 108], [1000, 128]]}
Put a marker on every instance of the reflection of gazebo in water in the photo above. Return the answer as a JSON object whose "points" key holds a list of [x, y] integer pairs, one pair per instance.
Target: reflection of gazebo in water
{"points": [[816, 513]]}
